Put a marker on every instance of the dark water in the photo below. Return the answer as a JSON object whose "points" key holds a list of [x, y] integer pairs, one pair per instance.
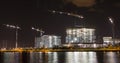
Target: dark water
{"points": [[60, 57]]}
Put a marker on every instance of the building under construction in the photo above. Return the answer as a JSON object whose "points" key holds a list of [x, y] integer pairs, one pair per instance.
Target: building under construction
{"points": [[80, 35], [47, 41]]}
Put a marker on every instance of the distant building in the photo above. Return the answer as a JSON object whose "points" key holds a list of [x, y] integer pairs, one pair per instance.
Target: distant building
{"points": [[48, 41], [109, 41], [85, 45], [80, 35], [117, 41], [37, 42]]}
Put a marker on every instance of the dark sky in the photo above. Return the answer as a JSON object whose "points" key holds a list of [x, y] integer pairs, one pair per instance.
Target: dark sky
{"points": [[28, 13]]}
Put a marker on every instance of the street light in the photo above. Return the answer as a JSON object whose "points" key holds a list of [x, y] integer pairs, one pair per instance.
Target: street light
{"points": [[38, 30], [16, 30], [113, 30]]}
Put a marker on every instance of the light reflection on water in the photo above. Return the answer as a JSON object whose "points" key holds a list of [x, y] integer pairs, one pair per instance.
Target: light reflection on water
{"points": [[38, 57], [112, 57], [11, 57], [81, 57], [60, 57]]}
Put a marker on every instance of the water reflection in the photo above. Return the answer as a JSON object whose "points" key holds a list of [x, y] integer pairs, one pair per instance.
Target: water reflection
{"points": [[60, 57], [10, 57], [52, 57], [39, 57], [35, 57], [81, 57], [111, 57]]}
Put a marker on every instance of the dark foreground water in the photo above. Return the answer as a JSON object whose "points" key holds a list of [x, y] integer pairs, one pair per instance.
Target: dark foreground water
{"points": [[60, 57]]}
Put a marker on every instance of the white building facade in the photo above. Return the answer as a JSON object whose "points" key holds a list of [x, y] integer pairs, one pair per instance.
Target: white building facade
{"points": [[48, 41], [109, 41], [80, 35]]}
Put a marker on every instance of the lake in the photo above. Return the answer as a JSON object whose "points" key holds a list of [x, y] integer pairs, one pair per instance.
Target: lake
{"points": [[60, 57]]}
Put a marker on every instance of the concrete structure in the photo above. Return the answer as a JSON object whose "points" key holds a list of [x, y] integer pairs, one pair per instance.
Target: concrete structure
{"points": [[80, 35], [47, 41]]}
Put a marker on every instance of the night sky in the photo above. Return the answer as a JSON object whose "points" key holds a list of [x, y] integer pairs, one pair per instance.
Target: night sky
{"points": [[38, 13]]}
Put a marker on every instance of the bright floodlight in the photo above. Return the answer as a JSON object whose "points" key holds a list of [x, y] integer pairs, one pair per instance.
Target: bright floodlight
{"points": [[13, 27], [68, 13], [37, 30], [61, 12], [110, 19], [81, 16], [18, 27], [33, 28], [53, 11], [7, 25]]}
